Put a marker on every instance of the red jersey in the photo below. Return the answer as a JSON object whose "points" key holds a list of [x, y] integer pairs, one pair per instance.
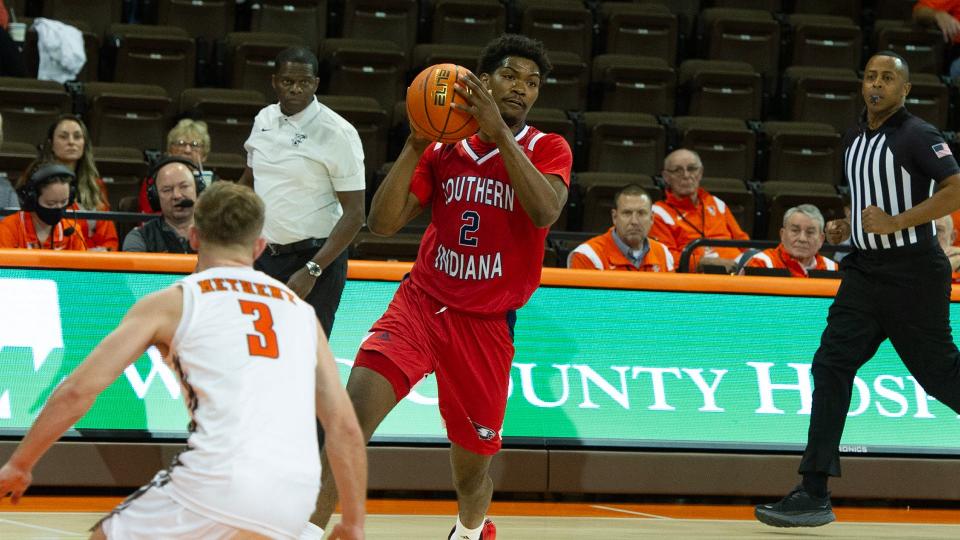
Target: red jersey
{"points": [[481, 252]]}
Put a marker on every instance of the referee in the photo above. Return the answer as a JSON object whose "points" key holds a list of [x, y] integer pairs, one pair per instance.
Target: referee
{"points": [[896, 282]]}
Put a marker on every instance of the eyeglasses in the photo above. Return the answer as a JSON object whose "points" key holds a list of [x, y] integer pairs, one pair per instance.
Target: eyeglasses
{"points": [[192, 144], [689, 169]]}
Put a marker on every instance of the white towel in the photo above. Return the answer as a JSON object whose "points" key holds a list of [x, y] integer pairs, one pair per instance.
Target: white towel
{"points": [[61, 50]]}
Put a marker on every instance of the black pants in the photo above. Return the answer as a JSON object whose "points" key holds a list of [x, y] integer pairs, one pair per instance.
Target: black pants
{"points": [[902, 294], [325, 296]]}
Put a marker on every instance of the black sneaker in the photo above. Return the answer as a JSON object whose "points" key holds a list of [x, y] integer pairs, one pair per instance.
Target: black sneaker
{"points": [[798, 509]]}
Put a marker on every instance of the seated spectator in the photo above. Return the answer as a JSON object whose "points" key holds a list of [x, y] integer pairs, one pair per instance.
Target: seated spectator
{"points": [[690, 212], [173, 193], [189, 139], [8, 196], [68, 143], [837, 232], [943, 14], [625, 246], [955, 218], [947, 236], [44, 196], [801, 237]]}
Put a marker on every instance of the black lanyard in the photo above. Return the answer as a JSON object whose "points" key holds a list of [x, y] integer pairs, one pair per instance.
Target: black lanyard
{"points": [[703, 217]]}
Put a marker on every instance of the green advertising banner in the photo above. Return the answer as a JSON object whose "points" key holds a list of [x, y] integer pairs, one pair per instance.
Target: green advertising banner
{"points": [[603, 367]]}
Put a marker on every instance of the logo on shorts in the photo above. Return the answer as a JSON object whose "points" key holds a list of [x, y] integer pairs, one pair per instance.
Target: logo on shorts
{"points": [[484, 433], [383, 336]]}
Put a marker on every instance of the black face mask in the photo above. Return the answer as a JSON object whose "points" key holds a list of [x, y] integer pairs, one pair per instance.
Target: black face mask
{"points": [[50, 216]]}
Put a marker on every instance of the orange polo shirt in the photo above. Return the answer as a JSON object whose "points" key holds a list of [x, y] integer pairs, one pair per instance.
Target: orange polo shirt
{"points": [[677, 222], [17, 231], [603, 253], [779, 258], [104, 232], [950, 6]]}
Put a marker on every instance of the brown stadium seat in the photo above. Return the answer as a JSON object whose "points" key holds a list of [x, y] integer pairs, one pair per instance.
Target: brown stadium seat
{"points": [[725, 145], [122, 169], [597, 189], [363, 67], [843, 8], [392, 20], [824, 95], [781, 196], [562, 25], [825, 41], [149, 54], [99, 14], [801, 152], [209, 19], [721, 88], [306, 19], [640, 29], [15, 157], [744, 35], [227, 165], [29, 107], [921, 47], [466, 22], [774, 6], [428, 54], [622, 142], [929, 99], [553, 121], [129, 115], [566, 86], [91, 47], [399, 247], [370, 120], [228, 113], [894, 9], [250, 59], [738, 198], [636, 84]]}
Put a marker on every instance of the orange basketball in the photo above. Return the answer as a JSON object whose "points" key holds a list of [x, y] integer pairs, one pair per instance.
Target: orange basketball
{"points": [[428, 105]]}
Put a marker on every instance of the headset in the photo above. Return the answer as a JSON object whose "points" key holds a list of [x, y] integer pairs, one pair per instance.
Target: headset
{"points": [[29, 192], [153, 196]]}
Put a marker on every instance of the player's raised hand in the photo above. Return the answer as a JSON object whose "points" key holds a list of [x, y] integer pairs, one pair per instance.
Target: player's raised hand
{"points": [[479, 103], [13, 482]]}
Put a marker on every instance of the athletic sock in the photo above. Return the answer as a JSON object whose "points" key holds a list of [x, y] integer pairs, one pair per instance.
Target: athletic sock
{"points": [[460, 532], [815, 484], [311, 532]]}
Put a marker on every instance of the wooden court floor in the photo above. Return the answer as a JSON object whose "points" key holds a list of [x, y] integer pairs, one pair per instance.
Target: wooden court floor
{"points": [[50, 517]]}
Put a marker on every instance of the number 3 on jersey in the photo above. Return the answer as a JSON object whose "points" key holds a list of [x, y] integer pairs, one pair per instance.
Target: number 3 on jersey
{"points": [[471, 225], [264, 343]]}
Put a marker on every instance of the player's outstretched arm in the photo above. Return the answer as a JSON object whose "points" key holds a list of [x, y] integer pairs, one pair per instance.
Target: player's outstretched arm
{"points": [[346, 451], [393, 206], [151, 320]]}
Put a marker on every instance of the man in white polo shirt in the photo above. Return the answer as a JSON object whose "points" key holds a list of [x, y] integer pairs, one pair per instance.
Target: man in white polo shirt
{"points": [[306, 162]]}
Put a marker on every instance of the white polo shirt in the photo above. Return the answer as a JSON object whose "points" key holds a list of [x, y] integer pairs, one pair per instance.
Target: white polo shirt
{"points": [[299, 162]]}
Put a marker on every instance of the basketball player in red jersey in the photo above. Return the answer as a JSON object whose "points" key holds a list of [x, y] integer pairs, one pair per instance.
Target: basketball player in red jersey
{"points": [[492, 198]]}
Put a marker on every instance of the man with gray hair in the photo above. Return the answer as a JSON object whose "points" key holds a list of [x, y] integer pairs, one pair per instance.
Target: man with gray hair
{"points": [[801, 237]]}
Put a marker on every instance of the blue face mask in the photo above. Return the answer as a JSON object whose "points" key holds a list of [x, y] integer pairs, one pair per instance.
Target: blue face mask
{"points": [[50, 216]]}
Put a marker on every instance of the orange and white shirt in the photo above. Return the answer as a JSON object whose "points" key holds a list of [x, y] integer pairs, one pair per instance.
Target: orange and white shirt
{"points": [[779, 258], [605, 253], [677, 222], [17, 231]]}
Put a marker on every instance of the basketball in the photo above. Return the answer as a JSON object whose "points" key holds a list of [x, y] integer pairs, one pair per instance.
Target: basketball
{"points": [[429, 110]]}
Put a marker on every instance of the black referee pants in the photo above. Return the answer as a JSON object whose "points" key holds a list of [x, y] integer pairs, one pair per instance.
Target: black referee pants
{"points": [[902, 294]]}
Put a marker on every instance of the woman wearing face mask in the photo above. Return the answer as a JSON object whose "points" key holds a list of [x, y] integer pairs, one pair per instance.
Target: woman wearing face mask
{"points": [[44, 196], [68, 143]]}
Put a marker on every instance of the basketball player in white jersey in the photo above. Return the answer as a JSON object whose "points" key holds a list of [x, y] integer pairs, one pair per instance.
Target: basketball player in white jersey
{"points": [[255, 370]]}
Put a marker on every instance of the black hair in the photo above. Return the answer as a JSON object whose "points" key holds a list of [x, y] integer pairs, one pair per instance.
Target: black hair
{"points": [[513, 45], [297, 55], [903, 62]]}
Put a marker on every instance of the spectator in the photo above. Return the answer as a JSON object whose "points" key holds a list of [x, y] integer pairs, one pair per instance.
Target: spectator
{"points": [[68, 143], [837, 232], [955, 218], [174, 192], [189, 139], [625, 246], [306, 162], [943, 14], [801, 238], [690, 212], [44, 195], [8, 196], [947, 237]]}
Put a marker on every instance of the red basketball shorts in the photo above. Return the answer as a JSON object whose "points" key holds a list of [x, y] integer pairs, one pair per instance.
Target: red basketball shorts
{"points": [[470, 355]]}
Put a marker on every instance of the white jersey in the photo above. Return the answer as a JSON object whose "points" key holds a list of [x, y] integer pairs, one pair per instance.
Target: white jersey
{"points": [[245, 350]]}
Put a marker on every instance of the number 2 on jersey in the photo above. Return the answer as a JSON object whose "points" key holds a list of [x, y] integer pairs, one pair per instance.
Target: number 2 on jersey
{"points": [[472, 220], [264, 343]]}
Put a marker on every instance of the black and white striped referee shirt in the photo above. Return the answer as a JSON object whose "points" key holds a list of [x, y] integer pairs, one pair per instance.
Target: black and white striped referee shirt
{"points": [[894, 168]]}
